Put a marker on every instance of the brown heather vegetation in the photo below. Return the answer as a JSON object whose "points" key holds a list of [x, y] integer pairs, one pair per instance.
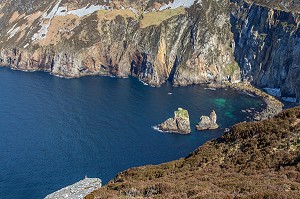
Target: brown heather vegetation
{"points": [[254, 160]]}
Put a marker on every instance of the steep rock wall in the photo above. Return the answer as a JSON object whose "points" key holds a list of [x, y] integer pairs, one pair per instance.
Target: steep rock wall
{"points": [[188, 45], [267, 46]]}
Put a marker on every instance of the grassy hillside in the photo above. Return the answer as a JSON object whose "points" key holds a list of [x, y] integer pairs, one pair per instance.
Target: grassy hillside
{"points": [[253, 160]]}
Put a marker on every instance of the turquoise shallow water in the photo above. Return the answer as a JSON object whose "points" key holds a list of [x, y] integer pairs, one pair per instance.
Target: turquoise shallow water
{"points": [[55, 131]]}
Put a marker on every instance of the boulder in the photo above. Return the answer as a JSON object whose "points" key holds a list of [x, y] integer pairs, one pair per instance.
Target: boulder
{"points": [[180, 123], [208, 123]]}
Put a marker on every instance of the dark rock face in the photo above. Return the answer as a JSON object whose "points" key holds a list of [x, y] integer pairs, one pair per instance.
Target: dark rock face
{"points": [[267, 46], [208, 123], [180, 123]]}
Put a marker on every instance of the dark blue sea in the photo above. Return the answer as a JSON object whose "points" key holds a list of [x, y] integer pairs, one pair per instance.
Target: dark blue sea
{"points": [[54, 131]]}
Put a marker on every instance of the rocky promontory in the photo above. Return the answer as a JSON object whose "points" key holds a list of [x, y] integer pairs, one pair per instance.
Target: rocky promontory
{"points": [[180, 123], [208, 123], [78, 190]]}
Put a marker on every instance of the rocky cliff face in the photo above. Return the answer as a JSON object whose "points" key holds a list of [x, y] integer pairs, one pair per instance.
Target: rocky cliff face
{"points": [[186, 42], [182, 41], [267, 45], [180, 123]]}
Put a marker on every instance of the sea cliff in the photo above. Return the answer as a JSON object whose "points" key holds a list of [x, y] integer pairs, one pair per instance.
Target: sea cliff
{"points": [[185, 42]]}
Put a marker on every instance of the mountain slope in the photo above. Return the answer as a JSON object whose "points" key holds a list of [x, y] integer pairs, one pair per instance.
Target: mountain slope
{"points": [[253, 160]]}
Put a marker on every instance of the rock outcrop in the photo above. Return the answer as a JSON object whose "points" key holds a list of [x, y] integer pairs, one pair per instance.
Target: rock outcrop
{"points": [[78, 190], [180, 123], [208, 123]]}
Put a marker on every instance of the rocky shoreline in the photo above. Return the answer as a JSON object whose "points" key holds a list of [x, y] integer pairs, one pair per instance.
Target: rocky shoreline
{"points": [[273, 105]]}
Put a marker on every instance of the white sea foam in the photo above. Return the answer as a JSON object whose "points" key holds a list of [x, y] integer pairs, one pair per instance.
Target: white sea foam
{"points": [[157, 129], [61, 76], [213, 89], [144, 83]]}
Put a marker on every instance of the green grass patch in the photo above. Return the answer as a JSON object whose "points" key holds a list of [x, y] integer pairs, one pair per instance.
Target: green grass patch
{"points": [[181, 113]]}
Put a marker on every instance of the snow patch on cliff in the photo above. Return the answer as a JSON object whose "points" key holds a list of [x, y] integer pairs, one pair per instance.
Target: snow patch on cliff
{"points": [[179, 3], [80, 12], [13, 31], [48, 16], [53, 11], [87, 10], [61, 11]]}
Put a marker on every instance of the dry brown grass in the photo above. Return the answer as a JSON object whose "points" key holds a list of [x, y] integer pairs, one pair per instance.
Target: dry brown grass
{"points": [[156, 18]]}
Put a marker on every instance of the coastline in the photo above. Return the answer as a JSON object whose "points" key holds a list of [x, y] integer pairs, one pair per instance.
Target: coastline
{"points": [[273, 105]]}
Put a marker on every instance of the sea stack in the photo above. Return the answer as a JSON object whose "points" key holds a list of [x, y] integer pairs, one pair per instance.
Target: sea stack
{"points": [[208, 123], [180, 123]]}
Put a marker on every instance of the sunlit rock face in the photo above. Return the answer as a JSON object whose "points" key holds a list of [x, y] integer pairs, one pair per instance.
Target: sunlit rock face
{"points": [[185, 42], [208, 123], [180, 123]]}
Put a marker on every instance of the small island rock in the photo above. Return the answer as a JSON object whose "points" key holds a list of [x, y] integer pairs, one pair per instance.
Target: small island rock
{"points": [[180, 123], [208, 123]]}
